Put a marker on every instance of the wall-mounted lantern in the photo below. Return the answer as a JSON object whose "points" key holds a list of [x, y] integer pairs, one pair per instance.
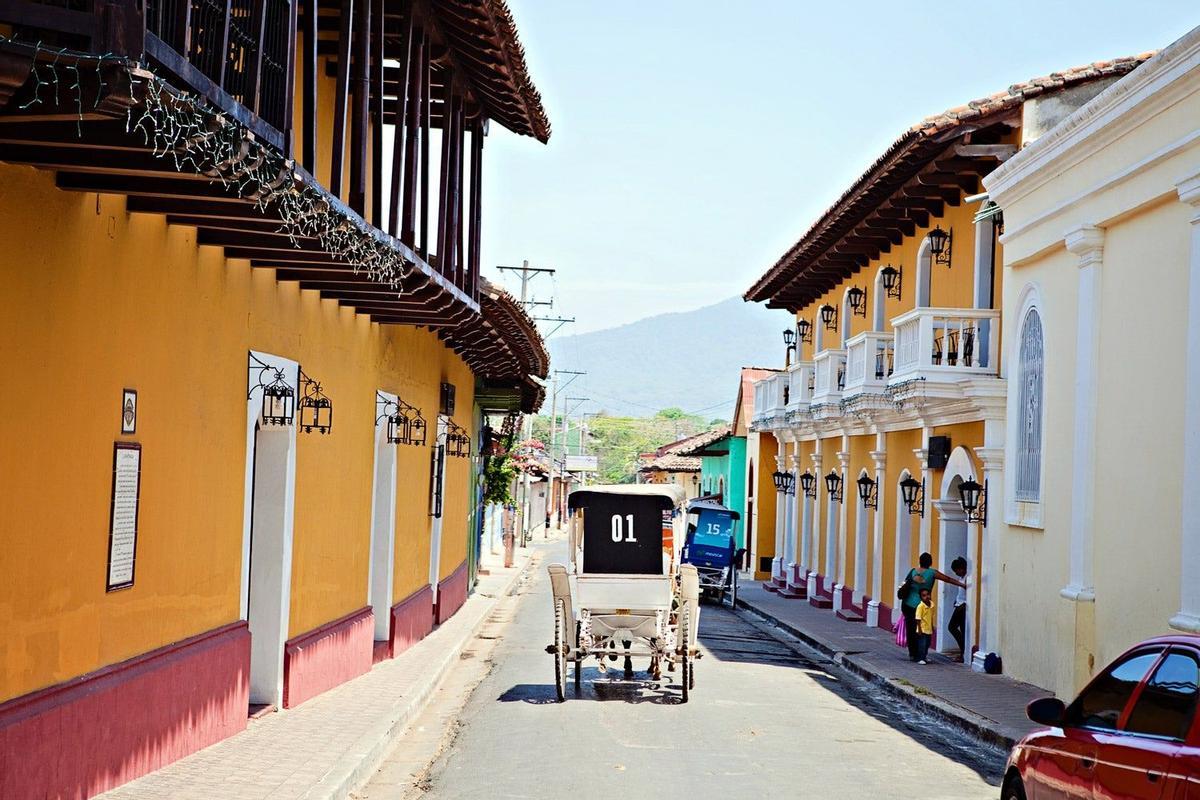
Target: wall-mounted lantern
{"points": [[833, 484], [829, 317], [974, 500], [278, 396], [868, 492], [913, 492], [405, 425], [940, 244], [804, 330], [780, 479], [316, 410], [858, 301], [892, 279], [808, 484], [789, 339], [458, 441]]}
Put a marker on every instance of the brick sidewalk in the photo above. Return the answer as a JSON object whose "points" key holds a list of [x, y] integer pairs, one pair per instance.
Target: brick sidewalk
{"points": [[991, 707], [328, 745]]}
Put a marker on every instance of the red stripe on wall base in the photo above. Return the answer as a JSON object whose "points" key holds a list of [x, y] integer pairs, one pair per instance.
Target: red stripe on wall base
{"points": [[452, 593], [327, 656], [412, 619], [100, 730]]}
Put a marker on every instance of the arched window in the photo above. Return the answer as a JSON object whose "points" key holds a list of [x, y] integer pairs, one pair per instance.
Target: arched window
{"points": [[1029, 411]]}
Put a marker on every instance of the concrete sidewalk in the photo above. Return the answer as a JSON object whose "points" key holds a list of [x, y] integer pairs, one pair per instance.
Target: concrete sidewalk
{"points": [[328, 745], [988, 707]]}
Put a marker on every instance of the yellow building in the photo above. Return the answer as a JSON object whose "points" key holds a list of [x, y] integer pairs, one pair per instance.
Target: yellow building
{"points": [[896, 378], [253, 355], [1100, 543]]}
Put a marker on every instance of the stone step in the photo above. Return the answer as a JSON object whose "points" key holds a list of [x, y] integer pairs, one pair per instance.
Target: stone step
{"points": [[794, 593], [770, 587], [850, 614], [820, 600]]}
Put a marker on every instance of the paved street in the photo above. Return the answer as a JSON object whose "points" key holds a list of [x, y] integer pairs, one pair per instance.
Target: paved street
{"points": [[767, 718]]}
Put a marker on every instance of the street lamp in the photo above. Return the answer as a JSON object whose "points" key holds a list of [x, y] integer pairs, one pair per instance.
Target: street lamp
{"points": [[789, 339], [974, 500], [940, 244], [833, 484], [829, 316], [868, 491], [808, 484], [913, 492], [858, 301], [892, 279]]}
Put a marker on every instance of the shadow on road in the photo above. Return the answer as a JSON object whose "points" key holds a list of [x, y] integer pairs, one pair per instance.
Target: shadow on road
{"points": [[597, 686]]}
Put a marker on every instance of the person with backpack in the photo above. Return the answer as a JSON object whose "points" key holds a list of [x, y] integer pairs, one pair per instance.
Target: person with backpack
{"points": [[922, 577]]}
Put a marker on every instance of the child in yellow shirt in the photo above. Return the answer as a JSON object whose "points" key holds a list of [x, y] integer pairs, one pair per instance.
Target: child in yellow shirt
{"points": [[924, 616]]}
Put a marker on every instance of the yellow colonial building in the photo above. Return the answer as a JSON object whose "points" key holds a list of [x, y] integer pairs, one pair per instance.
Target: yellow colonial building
{"points": [[1100, 528], [884, 437], [244, 322]]}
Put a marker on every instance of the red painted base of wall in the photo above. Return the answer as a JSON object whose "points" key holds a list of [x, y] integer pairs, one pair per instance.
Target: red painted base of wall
{"points": [[97, 731], [332, 654], [886, 620], [452, 593], [412, 619]]}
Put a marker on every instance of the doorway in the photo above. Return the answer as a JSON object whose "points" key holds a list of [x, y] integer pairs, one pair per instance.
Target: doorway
{"points": [[437, 480], [267, 538], [383, 531]]}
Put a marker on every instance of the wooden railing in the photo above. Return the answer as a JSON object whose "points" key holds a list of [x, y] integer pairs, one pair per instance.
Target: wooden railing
{"points": [[236, 53]]}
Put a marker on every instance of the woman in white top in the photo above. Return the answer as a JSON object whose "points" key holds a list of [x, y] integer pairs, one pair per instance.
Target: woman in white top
{"points": [[958, 619]]}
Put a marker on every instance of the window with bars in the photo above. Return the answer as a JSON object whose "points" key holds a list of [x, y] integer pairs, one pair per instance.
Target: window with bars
{"points": [[1029, 411]]}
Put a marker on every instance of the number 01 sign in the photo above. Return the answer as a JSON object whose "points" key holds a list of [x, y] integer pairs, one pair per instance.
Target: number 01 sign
{"points": [[621, 532]]}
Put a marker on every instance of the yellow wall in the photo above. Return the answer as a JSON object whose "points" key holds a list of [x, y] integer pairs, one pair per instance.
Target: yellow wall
{"points": [[764, 497], [98, 299], [900, 456]]}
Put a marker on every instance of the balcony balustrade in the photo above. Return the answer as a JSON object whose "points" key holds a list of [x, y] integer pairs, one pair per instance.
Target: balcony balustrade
{"points": [[869, 361], [830, 368], [770, 399], [800, 385], [945, 344]]}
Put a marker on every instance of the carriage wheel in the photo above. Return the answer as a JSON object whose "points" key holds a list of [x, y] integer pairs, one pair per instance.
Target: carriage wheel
{"points": [[686, 680], [733, 591], [560, 651]]}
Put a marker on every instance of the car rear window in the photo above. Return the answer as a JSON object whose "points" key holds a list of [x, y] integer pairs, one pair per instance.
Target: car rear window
{"points": [[1168, 703]]}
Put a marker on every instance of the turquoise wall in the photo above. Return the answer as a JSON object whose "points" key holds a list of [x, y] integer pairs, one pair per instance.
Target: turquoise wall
{"points": [[731, 468]]}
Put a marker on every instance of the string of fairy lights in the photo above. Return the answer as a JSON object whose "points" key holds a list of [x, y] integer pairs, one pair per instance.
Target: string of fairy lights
{"points": [[183, 129]]}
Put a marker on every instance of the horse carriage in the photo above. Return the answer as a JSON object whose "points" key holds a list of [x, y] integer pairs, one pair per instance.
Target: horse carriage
{"points": [[624, 592], [711, 545]]}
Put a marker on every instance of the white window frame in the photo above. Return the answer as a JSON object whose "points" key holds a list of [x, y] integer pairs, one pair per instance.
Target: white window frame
{"points": [[1025, 513]]}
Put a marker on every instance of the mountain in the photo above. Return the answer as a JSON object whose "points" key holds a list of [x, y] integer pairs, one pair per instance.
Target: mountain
{"points": [[690, 360]]}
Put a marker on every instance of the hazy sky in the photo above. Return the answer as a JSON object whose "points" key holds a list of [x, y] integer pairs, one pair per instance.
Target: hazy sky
{"points": [[694, 141]]}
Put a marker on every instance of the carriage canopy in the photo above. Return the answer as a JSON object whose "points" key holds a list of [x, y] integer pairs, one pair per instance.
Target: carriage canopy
{"points": [[623, 526]]}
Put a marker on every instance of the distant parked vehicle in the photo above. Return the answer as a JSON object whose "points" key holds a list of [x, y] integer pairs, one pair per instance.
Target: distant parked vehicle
{"points": [[1133, 732], [711, 545]]}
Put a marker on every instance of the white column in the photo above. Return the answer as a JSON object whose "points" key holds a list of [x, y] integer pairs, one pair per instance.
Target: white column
{"points": [[1087, 242], [988, 637], [839, 570], [815, 534], [794, 557], [882, 493], [780, 522], [1188, 618], [926, 534]]}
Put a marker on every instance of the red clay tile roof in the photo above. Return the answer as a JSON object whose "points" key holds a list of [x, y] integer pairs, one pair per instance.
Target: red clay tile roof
{"points": [[913, 146]]}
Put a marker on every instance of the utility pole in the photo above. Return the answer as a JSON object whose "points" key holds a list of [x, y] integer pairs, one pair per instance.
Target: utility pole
{"points": [[528, 273], [554, 431]]}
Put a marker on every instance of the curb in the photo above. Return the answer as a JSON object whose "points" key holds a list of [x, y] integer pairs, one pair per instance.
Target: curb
{"points": [[363, 758], [977, 727]]}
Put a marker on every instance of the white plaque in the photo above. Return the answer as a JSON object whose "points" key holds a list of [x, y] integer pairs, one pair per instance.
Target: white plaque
{"points": [[123, 522]]}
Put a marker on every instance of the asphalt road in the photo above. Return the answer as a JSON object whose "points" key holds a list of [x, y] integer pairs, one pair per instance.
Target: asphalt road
{"points": [[767, 718]]}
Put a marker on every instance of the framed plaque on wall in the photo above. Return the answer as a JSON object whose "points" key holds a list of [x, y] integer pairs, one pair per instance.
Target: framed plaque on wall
{"points": [[123, 515]]}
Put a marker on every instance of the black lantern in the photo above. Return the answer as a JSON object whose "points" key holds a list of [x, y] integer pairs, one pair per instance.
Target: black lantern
{"points": [[974, 500], [789, 483], [405, 425], [778, 477], [278, 398], [808, 484], [858, 301], [892, 278], [833, 484], [789, 338], [829, 317], [417, 430], [868, 491], [458, 442], [316, 410], [398, 430], [913, 492], [804, 329], [940, 244]]}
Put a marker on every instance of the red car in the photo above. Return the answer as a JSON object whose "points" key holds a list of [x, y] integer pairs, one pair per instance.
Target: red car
{"points": [[1132, 733]]}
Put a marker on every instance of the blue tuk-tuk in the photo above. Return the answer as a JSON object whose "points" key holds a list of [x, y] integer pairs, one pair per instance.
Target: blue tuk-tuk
{"points": [[711, 546]]}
